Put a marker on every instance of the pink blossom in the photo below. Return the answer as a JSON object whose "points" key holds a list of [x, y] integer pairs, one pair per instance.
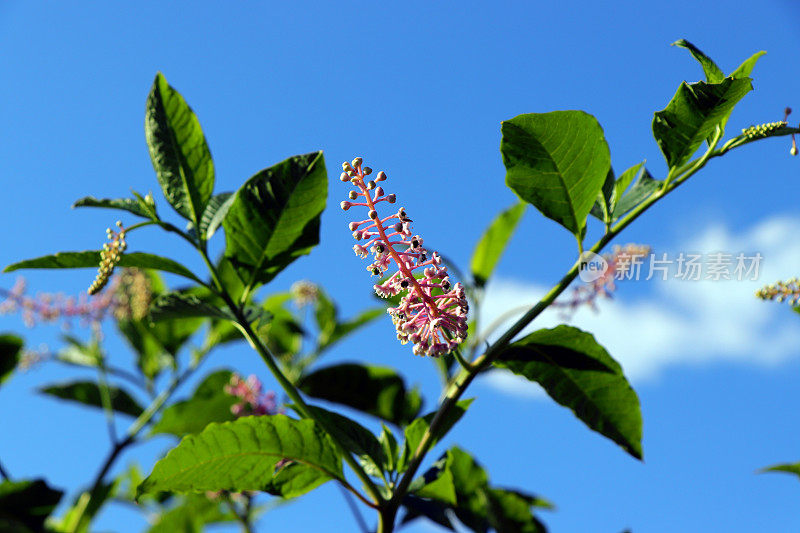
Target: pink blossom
{"points": [[432, 313]]}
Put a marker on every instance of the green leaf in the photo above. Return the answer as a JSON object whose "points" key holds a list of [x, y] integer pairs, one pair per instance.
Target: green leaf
{"points": [[493, 243], [215, 213], [275, 217], [415, 431], [558, 162], [713, 73], [192, 515], [644, 186], [459, 482], [433, 510], [788, 468], [242, 455], [78, 517], [579, 374], [390, 448], [354, 437], [511, 511], [124, 204], [375, 390], [10, 350], [604, 205], [91, 259], [693, 114], [746, 68], [209, 403], [24, 505], [180, 305], [283, 334], [331, 330], [178, 150], [88, 393], [158, 343]]}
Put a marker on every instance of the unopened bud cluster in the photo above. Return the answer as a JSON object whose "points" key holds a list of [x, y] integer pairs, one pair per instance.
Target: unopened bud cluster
{"points": [[763, 130], [109, 257], [432, 313], [782, 291]]}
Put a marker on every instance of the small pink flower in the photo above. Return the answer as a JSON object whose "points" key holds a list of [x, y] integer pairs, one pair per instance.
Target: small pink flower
{"points": [[432, 313]]}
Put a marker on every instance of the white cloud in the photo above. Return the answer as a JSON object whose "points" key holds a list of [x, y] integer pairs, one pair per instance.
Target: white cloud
{"points": [[681, 322]]}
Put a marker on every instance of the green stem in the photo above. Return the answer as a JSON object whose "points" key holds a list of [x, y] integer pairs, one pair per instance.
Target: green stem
{"points": [[465, 377], [105, 400], [302, 407]]}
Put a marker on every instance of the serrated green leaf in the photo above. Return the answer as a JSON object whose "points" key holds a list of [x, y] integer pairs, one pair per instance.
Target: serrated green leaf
{"points": [[25, 505], [416, 430], [275, 217], [88, 393], [579, 374], [493, 243], [10, 350], [378, 391], [178, 150], [215, 213], [242, 455], [693, 114], [124, 204], [91, 259], [209, 403], [558, 162], [713, 73]]}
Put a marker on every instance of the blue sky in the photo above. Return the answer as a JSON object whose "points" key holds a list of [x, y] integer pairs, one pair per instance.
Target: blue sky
{"points": [[420, 92]]}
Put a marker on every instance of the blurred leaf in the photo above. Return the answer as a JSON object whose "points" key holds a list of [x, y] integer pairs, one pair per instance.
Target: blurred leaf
{"points": [[85, 507], [191, 515], [282, 334], [433, 510], [558, 162], [178, 305], [275, 216], [178, 150], [209, 403], [579, 374], [10, 349], [693, 114], [415, 431], [493, 243], [88, 393], [25, 505], [712, 71], [91, 259], [374, 390], [788, 468], [242, 455], [215, 212]]}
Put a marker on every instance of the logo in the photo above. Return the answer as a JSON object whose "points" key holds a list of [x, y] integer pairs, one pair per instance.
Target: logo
{"points": [[591, 267]]}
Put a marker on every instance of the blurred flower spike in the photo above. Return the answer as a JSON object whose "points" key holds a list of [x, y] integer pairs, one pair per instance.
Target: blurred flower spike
{"points": [[432, 313], [782, 291], [252, 400]]}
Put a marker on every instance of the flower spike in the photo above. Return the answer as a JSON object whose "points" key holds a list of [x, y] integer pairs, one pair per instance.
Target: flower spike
{"points": [[432, 313], [109, 257]]}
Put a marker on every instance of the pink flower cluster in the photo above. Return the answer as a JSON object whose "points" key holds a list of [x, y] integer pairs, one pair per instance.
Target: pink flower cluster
{"points": [[432, 313], [47, 307], [620, 261], [252, 400]]}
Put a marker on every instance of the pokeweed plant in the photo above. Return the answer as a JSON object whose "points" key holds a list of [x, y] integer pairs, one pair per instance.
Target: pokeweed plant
{"points": [[559, 162]]}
